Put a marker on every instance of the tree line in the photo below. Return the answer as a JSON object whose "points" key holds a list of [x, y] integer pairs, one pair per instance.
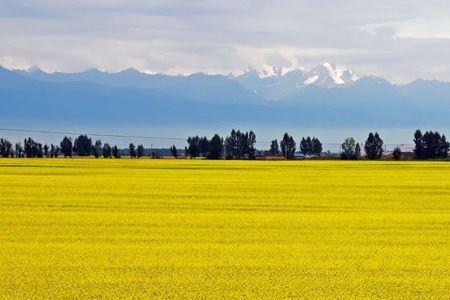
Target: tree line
{"points": [[237, 145], [430, 145], [82, 146]]}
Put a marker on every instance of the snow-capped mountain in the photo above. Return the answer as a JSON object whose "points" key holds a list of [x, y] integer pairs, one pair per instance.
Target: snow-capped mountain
{"points": [[328, 76], [274, 82], [321, 96]]}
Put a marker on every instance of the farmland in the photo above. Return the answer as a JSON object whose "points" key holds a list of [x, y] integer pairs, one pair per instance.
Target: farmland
{"points": [[144, 228]]}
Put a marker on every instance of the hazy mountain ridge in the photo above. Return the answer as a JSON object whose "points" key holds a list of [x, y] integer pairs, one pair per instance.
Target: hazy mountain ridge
{"points": [[196, 87], [130, 96]]}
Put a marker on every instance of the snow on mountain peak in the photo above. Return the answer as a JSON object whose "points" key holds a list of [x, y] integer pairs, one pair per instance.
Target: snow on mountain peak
{"points": [[265, 71], [275, 82], [311, 80], [328, 75], [334, 73], [269, 71]]}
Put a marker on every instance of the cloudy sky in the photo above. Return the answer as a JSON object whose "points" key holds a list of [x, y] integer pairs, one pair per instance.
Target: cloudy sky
{"points": [[397, 39]]}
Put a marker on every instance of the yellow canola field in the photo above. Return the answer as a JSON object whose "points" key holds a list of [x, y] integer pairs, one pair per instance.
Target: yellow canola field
{"points": [[87, 228]]}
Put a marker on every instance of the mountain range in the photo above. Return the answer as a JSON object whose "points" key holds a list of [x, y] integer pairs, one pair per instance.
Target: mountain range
{"points": [[275, 83], [321, 96]]}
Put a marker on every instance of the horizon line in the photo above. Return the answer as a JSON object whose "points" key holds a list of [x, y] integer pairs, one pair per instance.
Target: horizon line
{"points": [[36, 68]]}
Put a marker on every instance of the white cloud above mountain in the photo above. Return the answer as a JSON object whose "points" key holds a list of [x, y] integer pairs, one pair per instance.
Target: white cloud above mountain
{"points": [[398, 39]]}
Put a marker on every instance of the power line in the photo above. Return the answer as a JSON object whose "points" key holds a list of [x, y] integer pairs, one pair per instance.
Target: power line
{"points": [[138, 136], [103, 134], [92, 134], [100, 134]]}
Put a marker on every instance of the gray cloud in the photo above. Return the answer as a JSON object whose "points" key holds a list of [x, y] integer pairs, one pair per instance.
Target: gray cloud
{"points": [[400, 40]]}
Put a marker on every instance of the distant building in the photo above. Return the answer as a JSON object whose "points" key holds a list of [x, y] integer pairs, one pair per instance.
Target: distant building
{"points": [[299, 154]]}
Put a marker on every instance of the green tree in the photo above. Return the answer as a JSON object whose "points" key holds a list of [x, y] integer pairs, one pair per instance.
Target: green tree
{"points": [[443, 147], [132, 150], [430, 142], [193, 146], [418, 141], [274, 148], [203, 146], [251, 141], [306, 146], [174, 151], [19, 150], [397, 153], [430, 145], [374, 146], [316, 147], [216, 147], [32, 148], [46, 153], [242, 145], [5, 148], [140, 151], [231, 145], [357, 151], [349, 149], [115, 152], [82, 145], [97, 149], [66, 146], [106, 151], [52, 151], [288, 146]]}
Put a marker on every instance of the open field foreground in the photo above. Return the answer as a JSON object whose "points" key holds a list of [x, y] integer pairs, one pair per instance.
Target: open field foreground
{"points": [[223, 229]]}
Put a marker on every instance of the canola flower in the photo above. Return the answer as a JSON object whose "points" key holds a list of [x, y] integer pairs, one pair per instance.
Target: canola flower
{"points": [[87, 228]]}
